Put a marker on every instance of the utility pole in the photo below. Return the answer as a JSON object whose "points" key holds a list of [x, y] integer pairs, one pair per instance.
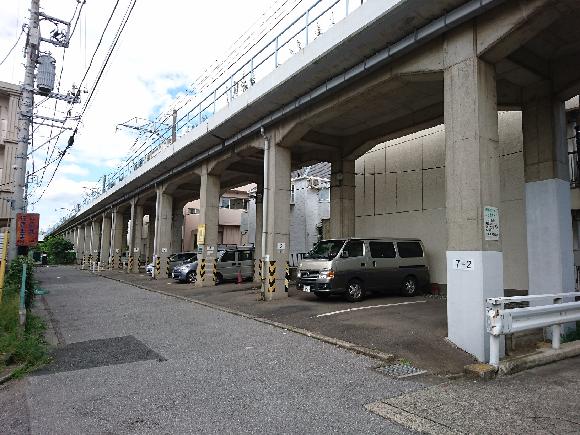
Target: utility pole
{"points": [[25, 118]]}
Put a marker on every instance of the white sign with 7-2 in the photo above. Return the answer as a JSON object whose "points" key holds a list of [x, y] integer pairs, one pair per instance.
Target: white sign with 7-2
{"points": [[463, 264]]}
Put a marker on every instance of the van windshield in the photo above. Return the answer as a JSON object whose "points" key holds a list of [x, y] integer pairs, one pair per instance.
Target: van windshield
{"points": [[327, 249]]}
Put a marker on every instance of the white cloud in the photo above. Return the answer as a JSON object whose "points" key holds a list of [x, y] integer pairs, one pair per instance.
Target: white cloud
{"points": [[163, 48], [73, 170]]}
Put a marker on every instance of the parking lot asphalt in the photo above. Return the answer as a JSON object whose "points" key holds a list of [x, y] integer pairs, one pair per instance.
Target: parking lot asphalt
{"points": [[412, 329]]}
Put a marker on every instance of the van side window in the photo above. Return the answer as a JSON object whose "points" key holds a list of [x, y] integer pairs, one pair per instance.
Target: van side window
{"points": [[382, 249], [228, 256], [409, 249], [244, 255], [354, 248]]}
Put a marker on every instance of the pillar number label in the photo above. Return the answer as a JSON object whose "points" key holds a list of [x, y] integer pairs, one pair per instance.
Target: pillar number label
{"points": [[463, 264]]}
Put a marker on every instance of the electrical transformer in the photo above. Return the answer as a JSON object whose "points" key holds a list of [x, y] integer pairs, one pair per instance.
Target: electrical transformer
{"points": [[45, 74]]}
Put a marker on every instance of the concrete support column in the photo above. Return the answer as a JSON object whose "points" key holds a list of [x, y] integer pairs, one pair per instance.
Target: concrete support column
{"points": [[116, 239], [547, 190], [258, 237], [474, 252], [135, 230], [86, 245], [177, 228], [278, 224], [95, 242], [105, 240], [209, 196], [150, 238], [342, 211], [162, 241], [78, 248]]}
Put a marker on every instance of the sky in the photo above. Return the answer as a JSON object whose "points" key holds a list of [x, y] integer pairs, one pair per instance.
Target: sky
{"points": [[161, 52]]}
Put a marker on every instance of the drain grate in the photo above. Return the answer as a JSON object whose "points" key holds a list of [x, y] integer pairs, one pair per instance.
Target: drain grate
{"points": [[399, 370]]}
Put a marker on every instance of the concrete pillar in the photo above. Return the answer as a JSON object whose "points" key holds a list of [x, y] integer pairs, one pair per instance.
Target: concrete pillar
{"points": [[547, 190], [135, 230], [177, 228], [342, 211], [208, 218], [278, 224], [258, 236], [105, 240], [116, 239], [162, 241], [150, 237], [474, 252], [95, 241], [76, 244], [87, 245]]}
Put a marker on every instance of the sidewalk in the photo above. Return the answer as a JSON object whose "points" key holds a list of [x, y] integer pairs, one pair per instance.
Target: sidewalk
{"points": [[413, 329]]}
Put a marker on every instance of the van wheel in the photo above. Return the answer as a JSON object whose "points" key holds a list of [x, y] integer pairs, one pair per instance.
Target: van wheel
{"points": [[190, 277], [218, 279], [355, 291], [409, 286]]}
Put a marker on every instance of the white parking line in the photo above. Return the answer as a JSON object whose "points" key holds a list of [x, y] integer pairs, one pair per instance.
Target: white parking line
{"points": [[371, 306]]}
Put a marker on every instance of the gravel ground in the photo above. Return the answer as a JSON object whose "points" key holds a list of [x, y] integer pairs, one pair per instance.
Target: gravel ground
{"points": [[218, 373]]}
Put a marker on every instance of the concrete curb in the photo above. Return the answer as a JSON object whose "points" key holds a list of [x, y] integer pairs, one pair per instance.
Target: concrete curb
{"points": [[376, 354], [540, 358], [10, 375]]}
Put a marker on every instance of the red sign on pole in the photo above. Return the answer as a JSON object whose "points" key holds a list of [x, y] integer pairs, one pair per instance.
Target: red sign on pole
{"points": [[27, 229]]}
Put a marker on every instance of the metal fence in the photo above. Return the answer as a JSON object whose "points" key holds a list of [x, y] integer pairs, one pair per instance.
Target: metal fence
{"points": [[219, 92], [506, 315]]}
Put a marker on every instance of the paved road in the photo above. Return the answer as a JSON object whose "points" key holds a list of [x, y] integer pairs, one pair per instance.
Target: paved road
{"points": [[139, 362], [410, 328]]}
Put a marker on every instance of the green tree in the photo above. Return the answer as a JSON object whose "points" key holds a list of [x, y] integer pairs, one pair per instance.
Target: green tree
{"points": [[58, 250]]}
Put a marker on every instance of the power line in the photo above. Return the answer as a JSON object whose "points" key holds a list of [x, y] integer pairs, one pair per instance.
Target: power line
{"points": [[93, 89], [14, 46]]}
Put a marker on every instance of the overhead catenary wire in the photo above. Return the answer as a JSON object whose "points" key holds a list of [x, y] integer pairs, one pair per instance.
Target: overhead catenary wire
{"points": [[116, 39], [15, 44]]}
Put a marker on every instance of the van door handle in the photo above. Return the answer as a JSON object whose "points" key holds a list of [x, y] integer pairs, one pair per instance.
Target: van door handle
{"points": [[363, 264]]}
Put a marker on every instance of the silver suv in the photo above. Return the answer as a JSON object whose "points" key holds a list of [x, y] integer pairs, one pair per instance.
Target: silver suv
{"points": [[352, 267]]}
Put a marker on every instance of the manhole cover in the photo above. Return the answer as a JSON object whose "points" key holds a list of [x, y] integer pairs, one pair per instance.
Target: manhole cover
{"points": [[400, 370]]}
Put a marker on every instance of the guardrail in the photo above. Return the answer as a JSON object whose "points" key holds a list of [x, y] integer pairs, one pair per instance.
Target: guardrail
{"points": [[503, 320]]}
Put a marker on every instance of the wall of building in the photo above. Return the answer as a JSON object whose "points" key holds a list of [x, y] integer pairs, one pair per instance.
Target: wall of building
{"points": [[9, 97], [400, 192], [307, 212]]}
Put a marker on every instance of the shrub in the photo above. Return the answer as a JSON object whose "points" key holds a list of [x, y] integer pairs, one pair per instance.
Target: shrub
{"points": [[58, 250], [13, 279]]}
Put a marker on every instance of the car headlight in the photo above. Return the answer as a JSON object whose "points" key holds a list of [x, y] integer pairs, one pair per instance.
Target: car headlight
{"points": [[326, 274], [298, 274]]}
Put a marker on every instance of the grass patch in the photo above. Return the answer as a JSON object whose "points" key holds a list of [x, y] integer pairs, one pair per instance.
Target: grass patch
{"points": [[572, 335], [24, 347]]}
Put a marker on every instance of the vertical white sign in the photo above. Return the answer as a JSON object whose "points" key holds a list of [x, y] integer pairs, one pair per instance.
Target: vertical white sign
{"points": [[491, 223]]}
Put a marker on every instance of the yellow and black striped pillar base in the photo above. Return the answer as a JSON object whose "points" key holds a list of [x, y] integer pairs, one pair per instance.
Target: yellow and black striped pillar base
{"points": [[272, 277], [90, 261], [130, 265], [286, 277], [214, 271], [168, 271], [119, 262], [157, 267], [202, 270]]}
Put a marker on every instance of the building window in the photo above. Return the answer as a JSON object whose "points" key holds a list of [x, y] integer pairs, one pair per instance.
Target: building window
{"points": [[192, 210], [292, 198], [324, 194], [224, 202], [234, 203]]}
